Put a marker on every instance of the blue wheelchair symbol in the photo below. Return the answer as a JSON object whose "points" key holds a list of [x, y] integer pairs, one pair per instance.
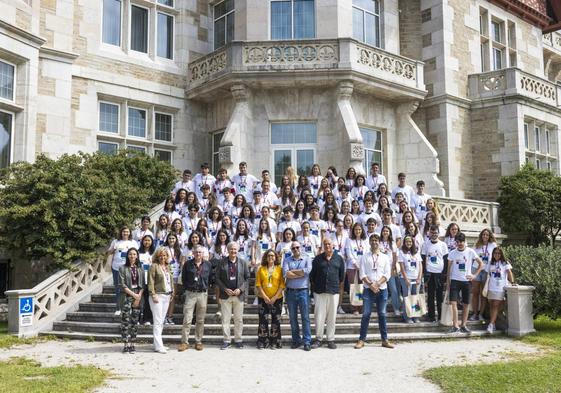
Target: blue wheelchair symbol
{"points": [[26, 305]]}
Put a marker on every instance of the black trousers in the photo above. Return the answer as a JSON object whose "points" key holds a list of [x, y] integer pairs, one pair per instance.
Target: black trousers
{"points": [[264, 335], [435, 289]]}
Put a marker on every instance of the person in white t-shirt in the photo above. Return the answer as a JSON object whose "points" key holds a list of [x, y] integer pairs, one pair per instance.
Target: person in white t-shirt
{"points": [[368, 213], [375, 178], [310, 243], [244, 183], [375, 271], [288, 222], [411, 268], [119, 248], [406, 190], [186, 183], [222, 183], [144, 230], [419, 201], [314, 179], [387, 215], [500, 274], [435, 259], [266, 176], [460, 262], [484, 247], [357, 245], [202, 178]]}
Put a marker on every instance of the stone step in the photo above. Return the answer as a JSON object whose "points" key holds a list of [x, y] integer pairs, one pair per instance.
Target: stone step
{"points": [[349, 339], [215, 329]]}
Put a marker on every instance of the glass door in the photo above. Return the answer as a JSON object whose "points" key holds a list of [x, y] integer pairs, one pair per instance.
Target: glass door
{"points": [[301, 159]]}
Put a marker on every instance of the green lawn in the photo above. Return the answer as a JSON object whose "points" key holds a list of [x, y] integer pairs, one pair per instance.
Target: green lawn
{"points": [[7, 341], [537, 375]]}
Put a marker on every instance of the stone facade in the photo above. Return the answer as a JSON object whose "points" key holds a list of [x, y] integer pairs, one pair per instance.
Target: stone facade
{"points": [[425, 89]]}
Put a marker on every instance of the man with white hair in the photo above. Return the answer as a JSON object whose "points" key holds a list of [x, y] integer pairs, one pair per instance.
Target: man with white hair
{"points": [[232, 274]]}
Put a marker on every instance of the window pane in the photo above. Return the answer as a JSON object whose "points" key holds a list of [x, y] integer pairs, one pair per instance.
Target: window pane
{"points": [[304, 19], [358, 24], [169, 3], [216, 138], [230, 28], [137, 122], [6, 81], [371, 138], [6, 121], [107, 148], [281, 26], [108, 117], [526, 136], [163, 127], [304, 161], [223, 8], [139, 149], [497, 59], [112, 22], [139, 29], [369, 29], [163, 155], [368, 5], [283, 159], [219, 36], [165, 36], [290, 133]]}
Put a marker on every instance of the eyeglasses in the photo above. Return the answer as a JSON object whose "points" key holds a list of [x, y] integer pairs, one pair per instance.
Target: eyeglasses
{"points": [[295, 248]]}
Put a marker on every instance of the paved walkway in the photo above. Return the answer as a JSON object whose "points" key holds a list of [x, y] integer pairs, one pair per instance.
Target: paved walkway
{"points": [[249, 370]]}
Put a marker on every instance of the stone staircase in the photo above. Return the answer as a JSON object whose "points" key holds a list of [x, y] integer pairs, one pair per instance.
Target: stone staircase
{"points": [[95, 319]]}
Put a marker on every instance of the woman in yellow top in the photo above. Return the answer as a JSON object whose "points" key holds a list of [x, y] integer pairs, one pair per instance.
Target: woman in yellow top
{"points": [[269, 285]]}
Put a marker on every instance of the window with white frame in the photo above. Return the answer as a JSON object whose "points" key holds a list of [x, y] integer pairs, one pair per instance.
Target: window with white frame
{"points": [[366, 21], [538, 164], [223, 23], [547, 142], [163, 155], [137, 122], [373, 152], [293, 144], [537, 137], [7, 73], [169, 3], [140, 149], [526, 136], [108, 117], [498, 42], [293, 19], [111, 23], [139, 29], [6, 136], [540, 142], [107, 147], [216, 138], [164, 40], [163, 127]]}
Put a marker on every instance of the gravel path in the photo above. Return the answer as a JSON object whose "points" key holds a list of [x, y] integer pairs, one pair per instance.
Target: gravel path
{"points": [[249, 370]]}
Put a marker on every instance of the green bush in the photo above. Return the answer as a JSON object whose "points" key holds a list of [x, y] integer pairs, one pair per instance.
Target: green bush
{"points": [[541, 268], [66, 209]]}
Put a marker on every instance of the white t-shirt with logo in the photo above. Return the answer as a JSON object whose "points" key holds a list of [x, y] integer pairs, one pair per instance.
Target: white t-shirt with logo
{"points": [[462, 262], [411, 263], [485, 253], [120, 249], [498, 275], [435, 253]]}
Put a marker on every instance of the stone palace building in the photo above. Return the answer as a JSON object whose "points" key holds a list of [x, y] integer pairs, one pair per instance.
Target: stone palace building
{"points": [[455, 92]]}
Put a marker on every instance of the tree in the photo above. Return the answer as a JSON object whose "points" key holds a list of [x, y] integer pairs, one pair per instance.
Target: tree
{"points": [[531, 204], [66, 209]]}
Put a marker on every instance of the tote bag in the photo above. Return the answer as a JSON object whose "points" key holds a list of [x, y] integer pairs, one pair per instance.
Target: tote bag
{"points": [[485, 290], [415, 305], [356, 291], [446, 317]]}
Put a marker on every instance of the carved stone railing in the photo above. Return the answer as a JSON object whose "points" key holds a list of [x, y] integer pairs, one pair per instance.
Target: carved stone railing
{"points": [[470, 215], [512, 81], [343, 56], [57, 295], [552, 41]]}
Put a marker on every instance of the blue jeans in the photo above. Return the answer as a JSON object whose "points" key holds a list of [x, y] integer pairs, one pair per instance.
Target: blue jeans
{"points": [[381, 299], [299, 299], [394, 293], [117, 288]]}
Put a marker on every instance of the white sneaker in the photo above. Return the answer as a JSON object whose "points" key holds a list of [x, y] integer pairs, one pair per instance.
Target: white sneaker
{"points": [[161, 350], [340, 310], [118, 312], [491, 328], [312, 301], [283, 311], [396, 314], [147, 323], [255, 301]]}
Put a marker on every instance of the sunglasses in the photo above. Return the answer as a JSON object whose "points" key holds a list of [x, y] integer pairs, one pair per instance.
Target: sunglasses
{"points": [[295, 248]]}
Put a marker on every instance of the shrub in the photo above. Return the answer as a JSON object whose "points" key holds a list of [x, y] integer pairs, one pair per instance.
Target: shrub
{"points": [[530, 205], [66, 209], [541, 268]]}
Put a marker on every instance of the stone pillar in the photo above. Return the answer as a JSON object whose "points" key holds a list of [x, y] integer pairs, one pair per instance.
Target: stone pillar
{"points": [[232, 149], [520, 310], [355, 147]]}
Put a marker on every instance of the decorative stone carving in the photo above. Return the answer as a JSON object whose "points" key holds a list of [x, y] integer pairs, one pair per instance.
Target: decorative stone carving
{"points": [[239, 92], [539, 88], [282, 52], [386, 62], [345, 90], [207, 65], [357, 151], [225, 154], [492, 82]]}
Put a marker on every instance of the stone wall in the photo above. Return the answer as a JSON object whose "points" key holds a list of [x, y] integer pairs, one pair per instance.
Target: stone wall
{"points": [[410, 37]]}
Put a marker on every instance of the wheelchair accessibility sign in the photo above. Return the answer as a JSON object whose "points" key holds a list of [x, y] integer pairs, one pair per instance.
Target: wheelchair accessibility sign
{"points": [[26, 311]]}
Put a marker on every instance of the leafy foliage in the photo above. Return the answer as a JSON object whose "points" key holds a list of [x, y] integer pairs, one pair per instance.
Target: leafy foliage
{"points": [[67, 208], [541, 268], [530, 204]]}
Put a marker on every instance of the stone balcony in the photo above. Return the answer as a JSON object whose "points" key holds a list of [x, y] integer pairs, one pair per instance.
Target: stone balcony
{"points": [[552, 43], [513, 82], [273, 64]]}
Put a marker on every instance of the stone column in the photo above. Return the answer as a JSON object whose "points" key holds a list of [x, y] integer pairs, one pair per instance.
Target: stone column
{"points": [[232, 149], [355, 147], [520, 310]]}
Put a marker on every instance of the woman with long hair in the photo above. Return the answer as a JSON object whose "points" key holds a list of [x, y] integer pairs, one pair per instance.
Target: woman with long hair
{"points": [[287, 196], [236, 210], [179, 231], [119, 248], [302, 184], [162, 229], [357, 246], [350, 177], [145, 253], [484, 247], [388, 247], [292, 177], [131, 280], [174, 252], [300, 213], [409, 261], [284, 246], [169, 209], [160, 286], [500, 274], [243, 238], [450, 236], [314, 179], [264, 240]]}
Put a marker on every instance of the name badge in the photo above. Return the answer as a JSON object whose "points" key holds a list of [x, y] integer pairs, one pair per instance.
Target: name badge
{"points": [[413, 264], [232, 278], [315, 186], [242, 188], [270, 285], [315, 232], [258, 216], [462, 267], [212, 233], [423, 208], [145, 266], [308, 248], [360, 199], [264, 246], [190, 258], [485, 258], [359, 252], [433, 259], [497, 275], [287, 254], [123, 254]]}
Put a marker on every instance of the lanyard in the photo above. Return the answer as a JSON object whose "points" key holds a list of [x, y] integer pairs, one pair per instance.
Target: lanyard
{"points": [[375, 262], [339, 242], [358, 245]]}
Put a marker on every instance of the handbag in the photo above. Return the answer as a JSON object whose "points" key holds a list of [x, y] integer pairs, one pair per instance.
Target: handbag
{"points": [[485, 290], [446, 317], [415, 305], [356, 291]]}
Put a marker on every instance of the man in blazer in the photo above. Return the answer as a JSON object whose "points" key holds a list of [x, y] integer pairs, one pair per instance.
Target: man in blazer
{"points": [[232, 275]]}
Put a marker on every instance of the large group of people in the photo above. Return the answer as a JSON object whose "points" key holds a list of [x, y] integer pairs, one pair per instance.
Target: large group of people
{"points": [[306, 241]]}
